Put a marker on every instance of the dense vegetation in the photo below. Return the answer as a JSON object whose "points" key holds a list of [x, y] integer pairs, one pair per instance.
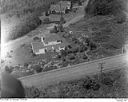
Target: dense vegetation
{"points": [[108, 7], [105, 7], [23, 5]]}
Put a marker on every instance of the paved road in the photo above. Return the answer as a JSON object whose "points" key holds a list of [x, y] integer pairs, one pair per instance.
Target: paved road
{"points": [[74, 72]]}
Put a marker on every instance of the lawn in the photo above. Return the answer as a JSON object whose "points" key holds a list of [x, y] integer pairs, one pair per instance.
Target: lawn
{"points": [[112, 84]]}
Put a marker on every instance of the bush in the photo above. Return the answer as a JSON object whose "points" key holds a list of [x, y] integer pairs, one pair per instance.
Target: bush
{"points": [[49, 68], [37, 68], [91, 84], [93, 46], [36, 39], [120, 18], [46, 21], [32, 92], [9, 69], [107, 81], [62, 20], [54, 30]]}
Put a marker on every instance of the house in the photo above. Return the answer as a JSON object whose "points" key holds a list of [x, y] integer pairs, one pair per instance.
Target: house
{"points": [[52, 40], [60, 7], [48, 43]]}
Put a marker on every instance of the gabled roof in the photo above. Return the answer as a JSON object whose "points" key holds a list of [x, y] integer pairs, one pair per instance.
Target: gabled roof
{"points": [[51, 38], [39, 45], [36, 46], [64, 4]]}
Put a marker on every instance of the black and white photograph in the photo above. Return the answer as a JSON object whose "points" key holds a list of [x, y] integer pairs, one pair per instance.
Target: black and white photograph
{"points": [[64, 49]]}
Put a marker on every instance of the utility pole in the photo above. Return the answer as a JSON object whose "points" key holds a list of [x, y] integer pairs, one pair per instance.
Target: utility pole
{"points": [[101, 66]]}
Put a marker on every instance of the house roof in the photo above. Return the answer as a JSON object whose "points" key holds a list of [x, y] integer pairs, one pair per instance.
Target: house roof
{"points": [[39, 45], [64, 4], [36, 46], [51, 38]]}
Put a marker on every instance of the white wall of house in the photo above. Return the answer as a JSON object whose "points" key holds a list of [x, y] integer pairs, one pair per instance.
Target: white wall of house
{"points": [[41, 51], [53, 43]]}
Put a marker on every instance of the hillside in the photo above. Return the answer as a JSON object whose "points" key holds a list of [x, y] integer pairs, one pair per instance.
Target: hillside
{"points": [[106, 7], [22, 5], [19, 17]]}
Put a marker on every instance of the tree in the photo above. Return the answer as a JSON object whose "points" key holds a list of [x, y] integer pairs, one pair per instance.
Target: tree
{"points": [[36, 38], [62, 20], [46, 13], [104, 7], [79, 3], [32, 92], [54, 30], [63, 53], [8, 69], [92, 46], [46, 21], [37, 68]]}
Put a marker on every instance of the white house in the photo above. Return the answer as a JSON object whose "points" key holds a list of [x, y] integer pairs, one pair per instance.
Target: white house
{"points": [[51, 43], [52, 40]]}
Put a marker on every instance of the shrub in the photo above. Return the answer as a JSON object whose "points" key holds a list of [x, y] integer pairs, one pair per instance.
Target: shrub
{"points": [[8, 69], [32, 92], [120, 18], [36, 39], [91, 84], [107, 81], [46, 21], [93, 46], [54, 30], [62, 20], [37, 68], [49, 68]]}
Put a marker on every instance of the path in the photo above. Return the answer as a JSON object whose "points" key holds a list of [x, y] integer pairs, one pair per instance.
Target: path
{"points": [[75, 71]]}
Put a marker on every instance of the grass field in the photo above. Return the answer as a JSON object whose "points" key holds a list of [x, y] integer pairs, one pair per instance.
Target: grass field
{"points": [[102, 30], [112, 85]]}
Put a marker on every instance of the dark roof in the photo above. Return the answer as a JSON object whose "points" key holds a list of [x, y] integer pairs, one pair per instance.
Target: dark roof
{"points": [[64, 4]]}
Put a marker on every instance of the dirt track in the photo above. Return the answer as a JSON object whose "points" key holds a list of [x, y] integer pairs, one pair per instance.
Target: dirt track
{"points": [[75, 72]]}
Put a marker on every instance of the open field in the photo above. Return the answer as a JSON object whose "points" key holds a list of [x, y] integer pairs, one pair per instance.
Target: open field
{"points": [[102, 30], [112, 84]]}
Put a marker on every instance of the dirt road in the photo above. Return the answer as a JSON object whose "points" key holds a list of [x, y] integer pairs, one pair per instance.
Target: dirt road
{"points": [[75, 72]]}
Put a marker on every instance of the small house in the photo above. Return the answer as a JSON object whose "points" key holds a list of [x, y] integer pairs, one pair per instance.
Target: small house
{"points": [[49, 43], [60, 7]]}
